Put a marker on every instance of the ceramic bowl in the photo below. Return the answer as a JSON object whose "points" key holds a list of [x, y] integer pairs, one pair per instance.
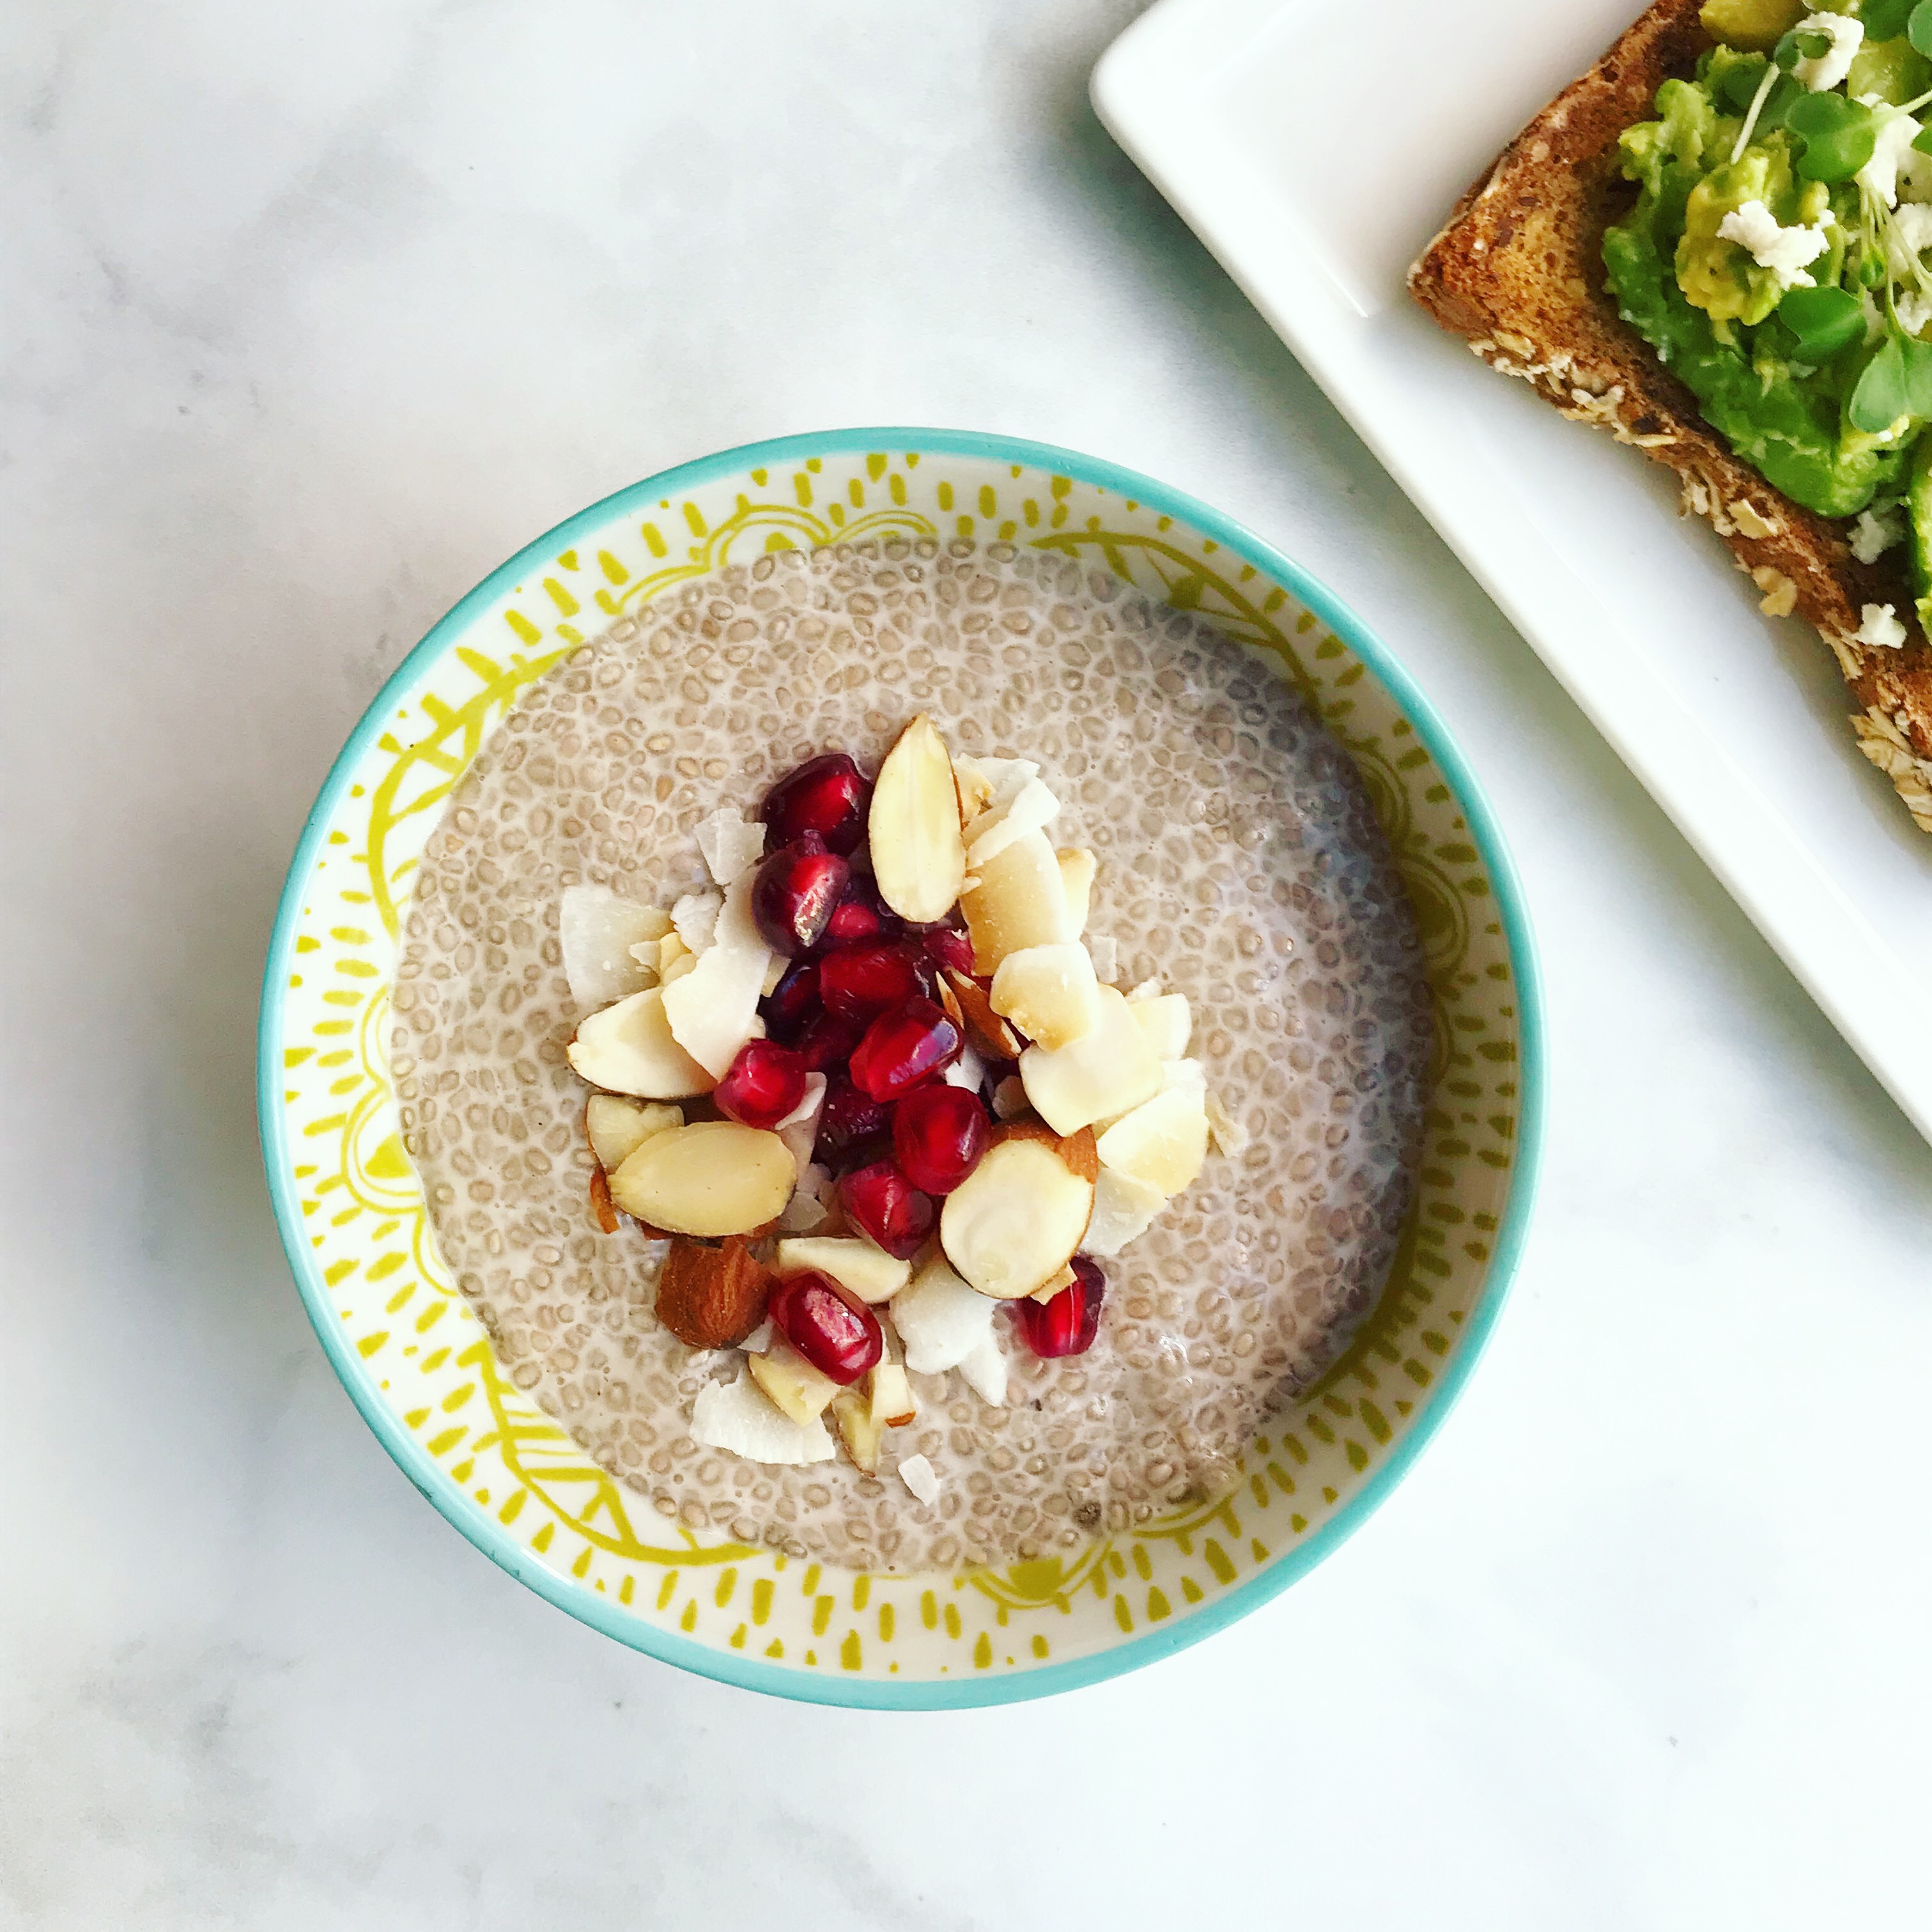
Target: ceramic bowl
{"points": [[417, 1362]]}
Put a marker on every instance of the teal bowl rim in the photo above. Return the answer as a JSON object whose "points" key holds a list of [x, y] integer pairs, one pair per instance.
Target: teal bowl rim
{"points": [[753, 1673]]}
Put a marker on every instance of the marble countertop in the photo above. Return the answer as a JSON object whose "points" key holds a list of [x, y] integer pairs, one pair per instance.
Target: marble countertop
{"points": [[314, 315]]}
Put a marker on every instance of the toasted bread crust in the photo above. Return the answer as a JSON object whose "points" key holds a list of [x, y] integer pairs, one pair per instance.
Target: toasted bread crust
{"points": [[1518, 271]]}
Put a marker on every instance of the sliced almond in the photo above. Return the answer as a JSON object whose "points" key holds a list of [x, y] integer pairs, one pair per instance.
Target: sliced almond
{"points": [[893, 1404], [628, 1048], [1009, 1100], [1047, 1290], [1076, 880], [1078, 1150], [600, 1203], [1049, 992], [712, 1298], [1162, 1142], [675, 959], [1124, 1209], [1099, 1077], [795, 1388], [1167, 1022], [616, 1126], [1016, 1220], [858, 1429], [871, 1273], [919, 857], [967, 1005], [713, 1009], [712, 1178], [1019, 902]]}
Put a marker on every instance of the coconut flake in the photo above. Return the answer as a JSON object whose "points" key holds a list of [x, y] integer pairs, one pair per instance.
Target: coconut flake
{"points": [[737, 1418], [940, 1320], [1229, 1136], [1010, 1099], [712, 1008], [968, 1071], [695, 917], [1032, 807], [759, 1339], [1104, 949], [1147, 989], [984, 1369], [1124, 1209], [920, 1476], [731, 848], [608, 944], [807, 1109]]}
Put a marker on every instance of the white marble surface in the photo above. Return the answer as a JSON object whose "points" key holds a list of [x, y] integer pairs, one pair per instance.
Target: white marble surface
{"points": [[314, 315]]}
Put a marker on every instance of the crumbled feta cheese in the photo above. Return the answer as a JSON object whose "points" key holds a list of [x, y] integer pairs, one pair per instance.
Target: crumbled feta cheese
{"points": [[1880, 175], [730, 846], [1907, 235], [1835, 62], [1875, 532], [1784, 251], [1879, 627], [920, 1476], [695, 917]]}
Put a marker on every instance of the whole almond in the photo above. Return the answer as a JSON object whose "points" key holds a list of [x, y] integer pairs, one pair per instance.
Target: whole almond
{"points": [[712, 1298]]}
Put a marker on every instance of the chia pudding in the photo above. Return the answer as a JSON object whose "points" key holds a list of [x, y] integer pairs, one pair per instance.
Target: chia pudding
{"points": [[1239, 862]]}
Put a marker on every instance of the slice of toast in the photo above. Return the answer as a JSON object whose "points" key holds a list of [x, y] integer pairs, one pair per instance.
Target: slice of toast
{"points": [[1518, 271]]}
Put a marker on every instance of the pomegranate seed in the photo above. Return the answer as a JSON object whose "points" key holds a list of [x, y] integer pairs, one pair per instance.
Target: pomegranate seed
{"points": [[797, 888], [883, 1205], [947, 946], [904, 1048], [827, 1041], [1067, 1324], [847, 1117], [939, 1133], [827, 795], [793, 1002], [762, 1085], [866, 979], [828, 1325], [862, 917]]}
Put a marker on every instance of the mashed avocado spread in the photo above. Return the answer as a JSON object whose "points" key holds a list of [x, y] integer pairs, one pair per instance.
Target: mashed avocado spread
{"points": [[1775, 259]]}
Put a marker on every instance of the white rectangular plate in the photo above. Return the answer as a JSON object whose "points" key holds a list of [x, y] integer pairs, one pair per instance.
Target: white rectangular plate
{"points": [[1315, 145]]}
